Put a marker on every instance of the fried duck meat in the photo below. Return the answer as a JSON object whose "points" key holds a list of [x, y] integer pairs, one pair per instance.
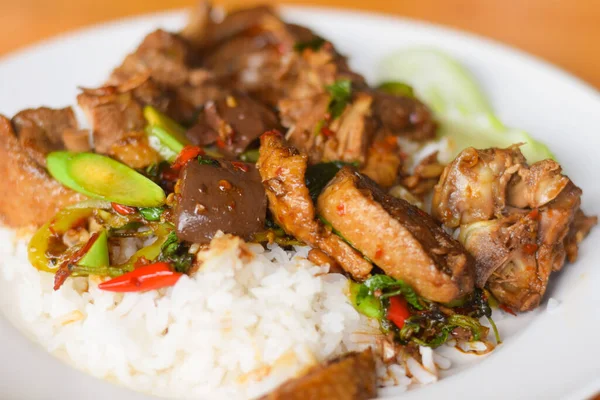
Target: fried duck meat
{"points": [[349, 377], [282, 169], [520, 222], [401, 239]]}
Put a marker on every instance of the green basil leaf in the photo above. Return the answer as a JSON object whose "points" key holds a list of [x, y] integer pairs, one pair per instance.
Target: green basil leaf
{"points": [[250, 156], [314, 44], [151, 213], [341, 93], [208, 161]]}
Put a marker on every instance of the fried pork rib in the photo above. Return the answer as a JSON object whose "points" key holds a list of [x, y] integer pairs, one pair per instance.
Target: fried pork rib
{"points": [[401, 239], [282, 169], [349, 377], [519, 221]]}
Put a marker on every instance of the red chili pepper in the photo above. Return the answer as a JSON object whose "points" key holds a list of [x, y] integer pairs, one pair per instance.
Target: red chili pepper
{"points": [[123, 210], [240, 165], [530, 248], [534, 214], [327, 132], [398, 311], [506, 308], [188, 153], [221, 143], [148, 277]]}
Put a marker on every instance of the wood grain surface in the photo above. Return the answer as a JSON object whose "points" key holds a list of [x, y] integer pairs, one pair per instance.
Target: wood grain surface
{"points": [[564, 32]]}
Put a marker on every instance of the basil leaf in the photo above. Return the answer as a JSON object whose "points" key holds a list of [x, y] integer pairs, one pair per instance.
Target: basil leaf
{"points": [[208, 161], [170, 245], [318, 176], [397, 286], [151, 213], [250, 156], [341, 92], [314, 44], [468, 323], [176, 253]]}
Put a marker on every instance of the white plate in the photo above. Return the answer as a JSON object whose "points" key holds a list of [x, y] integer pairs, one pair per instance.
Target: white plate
{"points": [[554, 356]]}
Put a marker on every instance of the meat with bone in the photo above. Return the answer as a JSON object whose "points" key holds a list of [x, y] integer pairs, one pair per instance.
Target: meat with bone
{"points": [[282, 169], [398, 237], [518, 221], [473, 187]]}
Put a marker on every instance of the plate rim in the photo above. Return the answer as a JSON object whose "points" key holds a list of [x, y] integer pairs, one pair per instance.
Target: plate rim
{"points": [[555, 71]]}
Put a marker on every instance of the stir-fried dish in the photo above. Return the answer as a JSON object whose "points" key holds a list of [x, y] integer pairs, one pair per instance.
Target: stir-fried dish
{"points": [[257, 128]]}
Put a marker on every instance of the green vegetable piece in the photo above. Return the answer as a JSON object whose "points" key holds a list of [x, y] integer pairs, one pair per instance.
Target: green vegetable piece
{"points": [[97, 255], [151, 213], [318, 176], [166, 139], [57, 163], [341, 92], [172, 128], [314, 44], [464, 114], [397, 88], [440, 81], [462, 133], [104, 178], [176, 253], [393, 287], [164, 135], [250, 156], [461, 301], [365, 303], [151, 252], [208, 161]]}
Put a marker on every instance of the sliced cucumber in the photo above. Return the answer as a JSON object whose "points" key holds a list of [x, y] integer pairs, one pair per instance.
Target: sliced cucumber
{"points": [[438, 80], [104, 178], [461, 133], [463, 111]]}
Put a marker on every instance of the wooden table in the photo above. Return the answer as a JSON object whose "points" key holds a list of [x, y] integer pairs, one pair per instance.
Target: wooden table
{"points": [[565, 32]]}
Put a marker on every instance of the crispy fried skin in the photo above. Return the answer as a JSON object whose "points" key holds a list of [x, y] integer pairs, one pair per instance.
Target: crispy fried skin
{"points": [[282, 169], [349, 377], [400, 238]]}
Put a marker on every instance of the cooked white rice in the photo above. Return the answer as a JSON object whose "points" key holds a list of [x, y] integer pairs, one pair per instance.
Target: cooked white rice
{"points": [[244, 323]]}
